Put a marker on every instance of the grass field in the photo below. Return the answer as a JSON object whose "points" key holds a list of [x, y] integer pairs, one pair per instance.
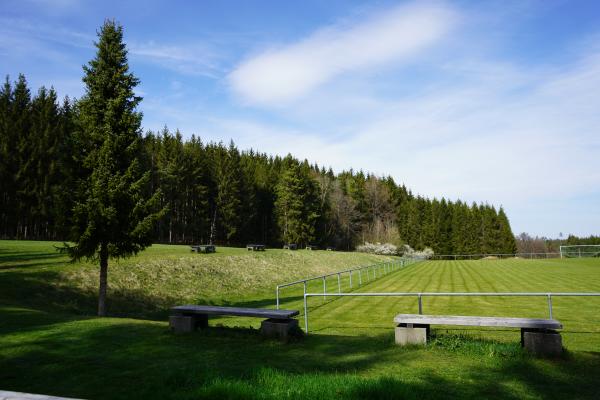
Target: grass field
{"points": [[50, 342]]}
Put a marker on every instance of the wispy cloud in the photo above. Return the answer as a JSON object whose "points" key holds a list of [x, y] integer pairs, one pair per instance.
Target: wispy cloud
{"points": [[505, 133], [188, 59], [289, 72]]}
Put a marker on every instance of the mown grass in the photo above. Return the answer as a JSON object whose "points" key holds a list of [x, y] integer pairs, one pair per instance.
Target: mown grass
{"points": [[580, 316], [50, 346], [160, 277]]}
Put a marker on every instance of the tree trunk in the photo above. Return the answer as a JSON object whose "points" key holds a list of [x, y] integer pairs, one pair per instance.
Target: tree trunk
{"points": [[103, 280]]}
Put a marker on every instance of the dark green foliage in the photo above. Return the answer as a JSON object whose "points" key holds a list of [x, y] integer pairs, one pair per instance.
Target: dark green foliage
{"points": [[115, 210], [116, 213], [297, 203]]}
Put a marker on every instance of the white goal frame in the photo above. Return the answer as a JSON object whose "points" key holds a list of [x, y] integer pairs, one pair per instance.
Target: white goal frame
{"points": [[583, 250]]}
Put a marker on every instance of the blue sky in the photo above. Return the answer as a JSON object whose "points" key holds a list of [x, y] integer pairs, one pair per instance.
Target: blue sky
{"points": [[484, 101]]}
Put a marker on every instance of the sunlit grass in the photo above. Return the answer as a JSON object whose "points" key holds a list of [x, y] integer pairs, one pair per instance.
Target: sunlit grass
{"points": [[51, 343]]}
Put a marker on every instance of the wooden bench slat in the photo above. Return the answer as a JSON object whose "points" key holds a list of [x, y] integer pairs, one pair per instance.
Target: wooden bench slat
{"points": [[238, 311], [533, 323]]}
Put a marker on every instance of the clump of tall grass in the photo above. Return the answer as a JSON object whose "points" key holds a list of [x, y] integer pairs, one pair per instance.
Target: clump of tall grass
{"points": [[475, 346]]}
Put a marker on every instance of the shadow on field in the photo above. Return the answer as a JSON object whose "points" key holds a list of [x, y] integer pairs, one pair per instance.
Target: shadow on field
{"points": [[111, 358], [16, 259], [43, 289]]}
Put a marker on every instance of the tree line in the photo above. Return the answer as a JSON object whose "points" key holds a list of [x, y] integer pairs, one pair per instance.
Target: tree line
{"points": [[535, 244], [215, 193]]}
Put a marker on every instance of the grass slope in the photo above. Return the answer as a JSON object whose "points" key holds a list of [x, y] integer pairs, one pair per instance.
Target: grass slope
{"points": [[34, 273], [45, 347]]}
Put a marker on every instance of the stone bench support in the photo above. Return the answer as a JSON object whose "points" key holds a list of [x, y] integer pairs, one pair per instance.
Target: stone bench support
{"points": [[407, 334], [282, 329], [542, 342]]}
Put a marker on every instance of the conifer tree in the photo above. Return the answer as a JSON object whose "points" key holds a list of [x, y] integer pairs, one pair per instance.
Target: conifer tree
{"points": [[228, 203], [297, 203], [7, 162], [508, 242], [115, 216]]}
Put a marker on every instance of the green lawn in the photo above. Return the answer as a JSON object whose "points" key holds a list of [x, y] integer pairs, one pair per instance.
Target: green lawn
{"points": [[50, 342]]}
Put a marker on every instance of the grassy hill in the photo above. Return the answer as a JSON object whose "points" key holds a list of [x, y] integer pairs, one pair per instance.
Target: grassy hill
{"points": [[34, 273], [50, 342]]}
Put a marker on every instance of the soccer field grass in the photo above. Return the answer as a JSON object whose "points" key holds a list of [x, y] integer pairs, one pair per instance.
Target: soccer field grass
{"points": [[580, 316], [51, 343]]}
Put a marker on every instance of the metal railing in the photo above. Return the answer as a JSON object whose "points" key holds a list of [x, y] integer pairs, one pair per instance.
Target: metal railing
{"points": [[498, 255], [368, 270], [420, 296]]}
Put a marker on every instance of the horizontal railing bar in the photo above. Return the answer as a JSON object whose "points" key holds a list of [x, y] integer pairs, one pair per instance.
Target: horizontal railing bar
{"points": [[433, 294], [492, 254], [420, 295]]}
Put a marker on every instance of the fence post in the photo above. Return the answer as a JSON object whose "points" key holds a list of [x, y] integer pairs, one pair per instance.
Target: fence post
{"points": [[550, 305], [304, 287], [339, 284], [350, 279], [420, 305], [277, 297], [360, 277], [305, 315], [324, 289]]}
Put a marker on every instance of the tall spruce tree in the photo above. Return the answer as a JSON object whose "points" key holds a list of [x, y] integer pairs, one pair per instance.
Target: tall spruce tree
{"points": [[297, 203], [115, 216]]}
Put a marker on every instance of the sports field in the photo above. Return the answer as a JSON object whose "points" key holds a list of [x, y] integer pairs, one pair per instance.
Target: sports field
{"points": [[51, 343], [373, 315]]}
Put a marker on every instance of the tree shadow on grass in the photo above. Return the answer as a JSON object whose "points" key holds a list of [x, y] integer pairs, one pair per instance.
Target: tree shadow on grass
{"points": [[44, 290], [108, 358]]}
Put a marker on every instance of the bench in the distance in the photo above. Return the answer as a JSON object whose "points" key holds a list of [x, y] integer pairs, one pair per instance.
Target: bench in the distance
{"points": [[255, 247], [537, 335], [278, 323], [204, 248]]}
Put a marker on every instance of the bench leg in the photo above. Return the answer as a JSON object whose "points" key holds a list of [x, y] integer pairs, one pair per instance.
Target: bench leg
{"points": [[181, 324], [542, 342], [411, 334], [187, 323], [201, 321], [283, 329]]}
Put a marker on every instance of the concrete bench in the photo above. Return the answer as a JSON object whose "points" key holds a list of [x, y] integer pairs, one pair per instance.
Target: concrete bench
{"points": [[537, 335], [204, 248], [312, 247], [290, 246], [255, 247], [278, 323]]}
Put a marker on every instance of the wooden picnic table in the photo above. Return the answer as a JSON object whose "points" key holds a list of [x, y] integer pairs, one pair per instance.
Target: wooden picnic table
{"points": [[204, 248]]}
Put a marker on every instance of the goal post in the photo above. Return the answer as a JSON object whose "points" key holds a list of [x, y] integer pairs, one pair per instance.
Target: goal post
{"points": [[579, 250]]}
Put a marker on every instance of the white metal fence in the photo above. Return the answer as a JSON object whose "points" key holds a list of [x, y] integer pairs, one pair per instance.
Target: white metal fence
{"points": [[420, 296], [493, 255], [563, 254], [366, 273]]}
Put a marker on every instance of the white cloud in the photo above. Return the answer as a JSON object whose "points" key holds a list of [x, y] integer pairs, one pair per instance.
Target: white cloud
{"points": [[284, 74], [191, 59], [523, 137]]}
